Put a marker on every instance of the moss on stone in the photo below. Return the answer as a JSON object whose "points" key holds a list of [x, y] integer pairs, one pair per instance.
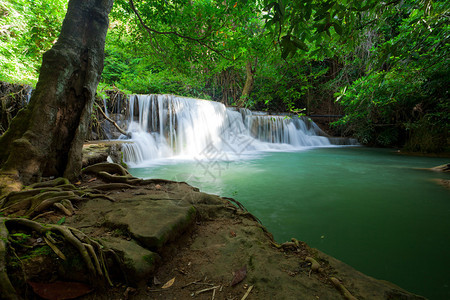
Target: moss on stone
{"points": [[149, 259]]}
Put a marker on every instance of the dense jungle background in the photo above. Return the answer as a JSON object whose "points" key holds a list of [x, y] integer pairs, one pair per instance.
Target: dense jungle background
{"points": [[380, 73]]}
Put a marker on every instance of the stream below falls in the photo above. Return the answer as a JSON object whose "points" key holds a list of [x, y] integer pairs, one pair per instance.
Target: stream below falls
{"points": [[367, 207]]}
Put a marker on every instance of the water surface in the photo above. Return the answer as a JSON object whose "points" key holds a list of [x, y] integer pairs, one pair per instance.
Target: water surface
{"points": [[367, 207]]}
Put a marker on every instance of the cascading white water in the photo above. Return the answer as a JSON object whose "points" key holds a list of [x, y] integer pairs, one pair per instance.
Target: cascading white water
{"points": [[163, 126]]}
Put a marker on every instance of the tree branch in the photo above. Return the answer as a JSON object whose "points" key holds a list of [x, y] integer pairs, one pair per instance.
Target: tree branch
{"points": [[112, 121], [197, 40]]}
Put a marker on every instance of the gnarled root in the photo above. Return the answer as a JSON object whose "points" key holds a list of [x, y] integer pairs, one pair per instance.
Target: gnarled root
{"points": [[6, 288], [113, 186], [347, 295], [128, 179], [29, 203], [315, 266], [243, 211], [106, 167], [293, 245], [114, 173], [60, 181], [39, 197], [239, 204], [90, 251]]}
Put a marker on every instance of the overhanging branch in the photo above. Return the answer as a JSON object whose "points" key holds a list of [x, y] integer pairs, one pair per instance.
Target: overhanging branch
{"points": [[151, 31], [112, 121]]}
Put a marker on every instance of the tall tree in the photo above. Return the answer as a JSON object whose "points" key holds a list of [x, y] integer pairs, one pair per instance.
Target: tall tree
{"points": [[46, 138]]}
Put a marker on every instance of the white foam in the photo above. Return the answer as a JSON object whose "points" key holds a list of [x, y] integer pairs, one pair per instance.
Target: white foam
{"points": [[170, 127]]}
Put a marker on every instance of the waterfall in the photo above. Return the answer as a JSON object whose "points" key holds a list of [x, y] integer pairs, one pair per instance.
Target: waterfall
{"points": [[164, 126]]}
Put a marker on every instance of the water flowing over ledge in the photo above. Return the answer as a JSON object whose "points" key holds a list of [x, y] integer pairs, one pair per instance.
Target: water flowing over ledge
{"points": [[166, 126]]}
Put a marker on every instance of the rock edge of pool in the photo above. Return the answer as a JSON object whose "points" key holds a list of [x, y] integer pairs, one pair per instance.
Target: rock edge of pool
{"points": [[179, 243]]}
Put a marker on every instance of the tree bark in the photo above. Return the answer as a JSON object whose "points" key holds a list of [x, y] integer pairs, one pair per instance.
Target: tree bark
{"points": [[249, 82], [46, 138]]}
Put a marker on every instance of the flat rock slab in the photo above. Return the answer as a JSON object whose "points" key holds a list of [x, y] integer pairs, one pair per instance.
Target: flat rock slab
{"points": [[140, 222], [139, 262], [151, 222]]}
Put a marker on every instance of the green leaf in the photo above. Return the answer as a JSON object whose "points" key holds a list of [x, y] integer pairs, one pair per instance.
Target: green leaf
{"points": [[308, 12], [337, 28], [299, 43]]}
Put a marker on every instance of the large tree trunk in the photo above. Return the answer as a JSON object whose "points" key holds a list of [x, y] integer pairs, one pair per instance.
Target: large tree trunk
{"points": [[249, 82], [46, 138]]}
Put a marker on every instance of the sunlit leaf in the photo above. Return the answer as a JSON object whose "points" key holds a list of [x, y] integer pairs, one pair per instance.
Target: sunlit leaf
{"points": [[168, 284]]}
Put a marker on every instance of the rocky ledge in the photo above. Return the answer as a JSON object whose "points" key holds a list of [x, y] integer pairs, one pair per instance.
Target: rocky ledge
{"points": [[159, 239], [177, 242], [98, 151]]}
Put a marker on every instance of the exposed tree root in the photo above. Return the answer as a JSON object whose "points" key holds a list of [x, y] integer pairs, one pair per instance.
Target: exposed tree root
{"points": [[244, 212], [118, 177], [163, 181], [6, 288], [112, 173], [113, 186], [35, 201], [128, 179], [239, 204], [93, 196], [106, 167], [347, 295], [43, 214], [90, 251], [63, 209], [316, 267], [51, 183], [284, 246], [39, 197]]}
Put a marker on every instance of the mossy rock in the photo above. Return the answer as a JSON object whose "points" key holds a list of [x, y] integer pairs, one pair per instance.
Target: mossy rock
{"points": [[168, 220], [139, 263]]}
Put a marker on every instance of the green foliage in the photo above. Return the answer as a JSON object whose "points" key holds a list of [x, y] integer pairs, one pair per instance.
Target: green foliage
{"points": [[27, 30], [19, 238], [404, 100], [385, 63], [391, 108], [286, 85], [17, 262], [61, 221]]}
